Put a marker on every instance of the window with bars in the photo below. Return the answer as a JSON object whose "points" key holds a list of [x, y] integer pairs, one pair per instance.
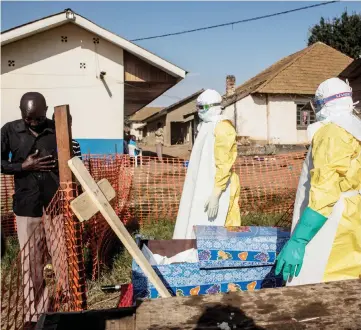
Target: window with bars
{"points": [[305, 116]]}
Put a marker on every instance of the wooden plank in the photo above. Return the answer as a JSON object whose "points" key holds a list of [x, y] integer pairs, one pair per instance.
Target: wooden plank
{"points": [[136, 69], [98, 198], [63, 141], [331, 306], [84, 208], [67, 183], [126, 323]]}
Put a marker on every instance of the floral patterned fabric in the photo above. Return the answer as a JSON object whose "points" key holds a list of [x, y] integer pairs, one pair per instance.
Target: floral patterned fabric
{"points": [[219, 247], [230, 260], [187, 279]]}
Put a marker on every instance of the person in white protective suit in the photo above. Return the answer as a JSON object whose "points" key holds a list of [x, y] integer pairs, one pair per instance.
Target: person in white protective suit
{"points": [[325, 244], [211, 189]]}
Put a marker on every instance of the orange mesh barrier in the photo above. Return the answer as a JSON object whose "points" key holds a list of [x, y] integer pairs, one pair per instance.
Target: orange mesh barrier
{"points": [[152, 191], [148, 192], [48, 273], [8, 224]]}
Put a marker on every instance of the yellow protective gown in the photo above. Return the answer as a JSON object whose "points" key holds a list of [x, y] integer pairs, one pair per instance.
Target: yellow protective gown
{"points": [[336, 157], [225, 154]]}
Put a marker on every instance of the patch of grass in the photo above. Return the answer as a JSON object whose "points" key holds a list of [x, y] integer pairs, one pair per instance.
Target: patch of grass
{"points": [[121, 268], [161, 229], [11, 253], [260, 219]]}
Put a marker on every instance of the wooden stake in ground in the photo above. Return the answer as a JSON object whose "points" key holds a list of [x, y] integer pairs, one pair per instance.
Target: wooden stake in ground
{"points": [[97, 197], [67, 184]]}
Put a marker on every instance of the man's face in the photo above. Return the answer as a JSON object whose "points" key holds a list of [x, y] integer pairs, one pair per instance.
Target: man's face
{"points": [[33, 112]]}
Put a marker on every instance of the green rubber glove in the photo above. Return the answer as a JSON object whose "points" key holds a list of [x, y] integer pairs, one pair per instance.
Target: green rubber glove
{"points": [[292, 254]]}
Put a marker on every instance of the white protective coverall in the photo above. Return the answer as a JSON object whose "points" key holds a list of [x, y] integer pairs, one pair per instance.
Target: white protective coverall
{"points": [[330, 184], [210, 179]]}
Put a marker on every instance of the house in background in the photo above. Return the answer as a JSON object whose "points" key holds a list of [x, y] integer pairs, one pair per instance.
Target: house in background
{"points": [[353, 74], [273, 107], [178, 122], [71, 60], [137, 121]]}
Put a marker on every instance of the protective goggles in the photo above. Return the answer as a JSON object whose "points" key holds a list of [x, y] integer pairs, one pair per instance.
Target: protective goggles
{"points": [[318, 104], [206, 107]]}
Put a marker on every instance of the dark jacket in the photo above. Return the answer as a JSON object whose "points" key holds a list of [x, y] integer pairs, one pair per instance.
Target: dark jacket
{"points": [[33, 189]]}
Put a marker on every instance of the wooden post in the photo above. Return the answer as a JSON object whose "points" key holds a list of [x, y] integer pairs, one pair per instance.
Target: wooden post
{"points": [[72, 227], [63, 140]]}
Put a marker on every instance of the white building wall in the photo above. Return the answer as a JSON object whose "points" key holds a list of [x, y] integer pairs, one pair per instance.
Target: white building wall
{"points": [[251, 117], [136, 129], [283, 120], [45, 64], [275, 124]]}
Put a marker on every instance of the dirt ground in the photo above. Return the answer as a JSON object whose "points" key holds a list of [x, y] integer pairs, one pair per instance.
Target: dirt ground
{"points": [[178, 151]]}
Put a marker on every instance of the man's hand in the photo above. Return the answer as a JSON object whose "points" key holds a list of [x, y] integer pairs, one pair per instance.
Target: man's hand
{"points": [[34, 163]]}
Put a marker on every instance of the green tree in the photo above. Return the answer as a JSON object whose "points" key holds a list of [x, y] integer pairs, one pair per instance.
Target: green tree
{"points": [[342, 33]]}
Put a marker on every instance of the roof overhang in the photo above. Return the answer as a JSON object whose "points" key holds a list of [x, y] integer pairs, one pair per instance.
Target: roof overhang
{"points": [[353, 74], [68, 16], [156, 116]]}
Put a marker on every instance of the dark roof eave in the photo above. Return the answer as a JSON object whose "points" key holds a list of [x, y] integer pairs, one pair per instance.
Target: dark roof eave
{"points": [[170, 108]]}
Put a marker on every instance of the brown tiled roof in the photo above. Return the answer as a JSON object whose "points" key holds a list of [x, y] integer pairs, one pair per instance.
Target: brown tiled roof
{"points": [[299, 73], [145, 113]]}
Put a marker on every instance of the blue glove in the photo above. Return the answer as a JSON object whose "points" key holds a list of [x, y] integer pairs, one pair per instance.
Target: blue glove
{"points": [[291, 257]]}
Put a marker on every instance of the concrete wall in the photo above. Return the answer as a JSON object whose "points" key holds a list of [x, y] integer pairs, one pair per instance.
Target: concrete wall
{"points": [[152, 127], [178, 115], [45, 64], [283, 120], [268, 119], [251, 119]]}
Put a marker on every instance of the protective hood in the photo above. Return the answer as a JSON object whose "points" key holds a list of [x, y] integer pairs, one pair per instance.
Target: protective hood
{"points": [[333, 104], [209, 105]]}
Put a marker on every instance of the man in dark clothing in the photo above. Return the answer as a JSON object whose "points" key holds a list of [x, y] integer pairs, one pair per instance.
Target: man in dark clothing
{"points": [[32, 144]]}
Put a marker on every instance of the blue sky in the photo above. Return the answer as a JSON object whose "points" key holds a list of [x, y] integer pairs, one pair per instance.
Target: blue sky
{"points": [[242, 50]]}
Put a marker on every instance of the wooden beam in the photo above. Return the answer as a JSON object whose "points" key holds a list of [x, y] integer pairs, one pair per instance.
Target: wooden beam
{"points": [[67, 184], [102, 204], [84, 208], [63, 141], [138, 70], [331, 306]]}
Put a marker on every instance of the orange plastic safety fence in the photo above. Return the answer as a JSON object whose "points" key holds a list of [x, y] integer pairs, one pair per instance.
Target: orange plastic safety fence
{"points": [[151, 191], [146, 191], [8, 225], [48, 273]]}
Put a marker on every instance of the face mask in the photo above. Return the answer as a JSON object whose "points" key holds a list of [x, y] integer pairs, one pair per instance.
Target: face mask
{"points": [[320, 116], [206, 113]]}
